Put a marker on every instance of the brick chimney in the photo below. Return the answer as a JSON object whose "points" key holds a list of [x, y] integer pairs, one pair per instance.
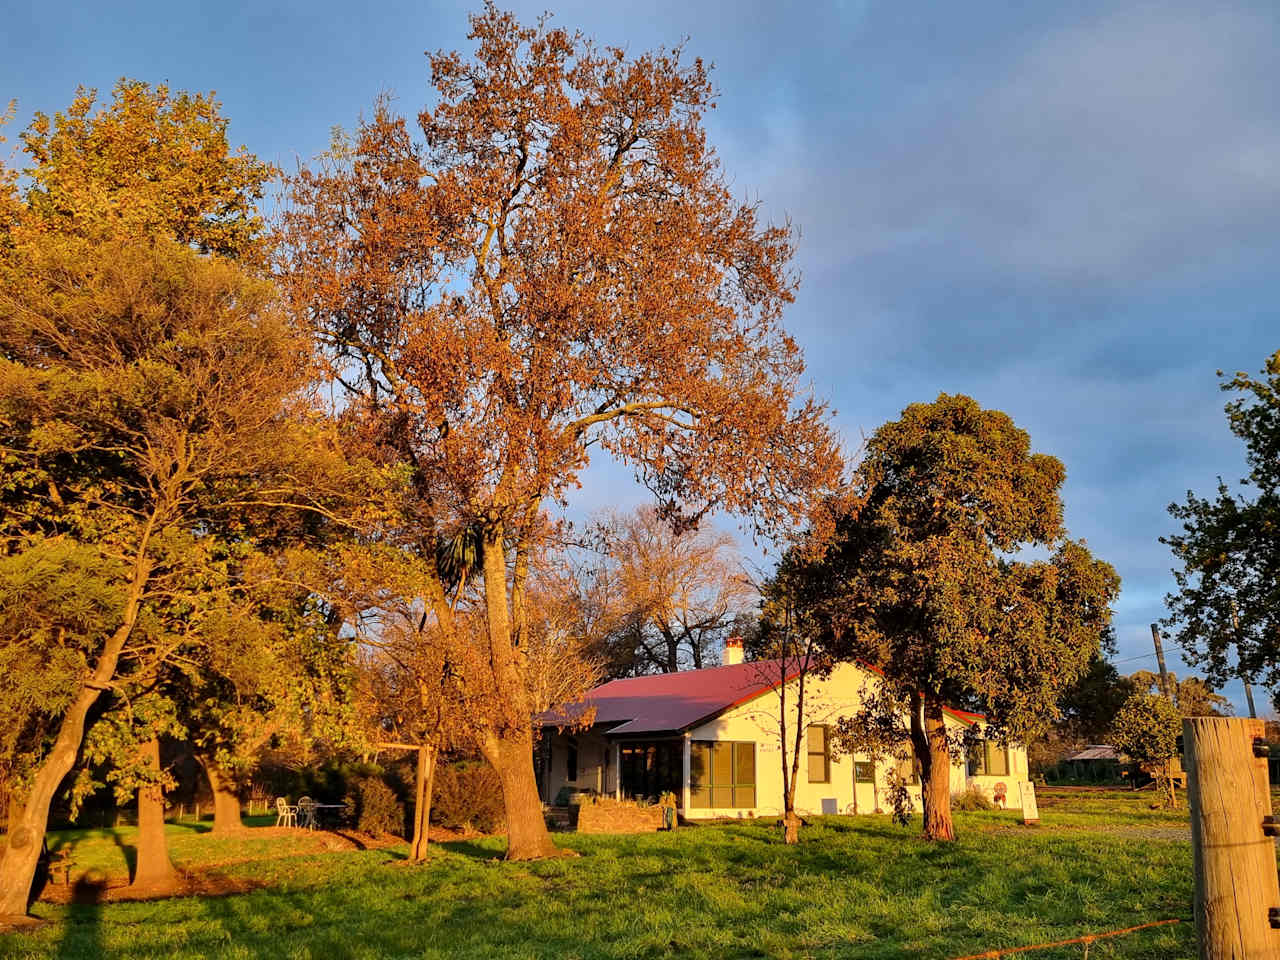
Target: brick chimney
{"points": [[732, 651]]}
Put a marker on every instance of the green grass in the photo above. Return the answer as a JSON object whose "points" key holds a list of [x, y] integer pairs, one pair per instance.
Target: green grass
{"points": [[854, 887]]}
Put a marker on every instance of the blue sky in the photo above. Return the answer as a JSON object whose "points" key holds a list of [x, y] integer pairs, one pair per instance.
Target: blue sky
{"points": [[1067, 211]]}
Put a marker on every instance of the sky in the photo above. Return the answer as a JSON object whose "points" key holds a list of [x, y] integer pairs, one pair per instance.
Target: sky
{"points": [[1066, 211]]}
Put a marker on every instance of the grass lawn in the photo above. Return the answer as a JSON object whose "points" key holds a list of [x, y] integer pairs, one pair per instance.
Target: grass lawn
{"points": [[854, 887]]}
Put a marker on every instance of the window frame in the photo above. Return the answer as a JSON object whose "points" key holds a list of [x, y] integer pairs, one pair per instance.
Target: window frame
{"points": [[703, 783], [825, 753], [980, 759]]}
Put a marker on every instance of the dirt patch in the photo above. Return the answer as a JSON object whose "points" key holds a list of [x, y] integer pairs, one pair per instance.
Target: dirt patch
{"points": [[20, 924], [94, 888]]}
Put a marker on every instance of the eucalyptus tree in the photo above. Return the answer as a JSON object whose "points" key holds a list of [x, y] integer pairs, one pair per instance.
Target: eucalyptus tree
{"points": [[925, 580]]}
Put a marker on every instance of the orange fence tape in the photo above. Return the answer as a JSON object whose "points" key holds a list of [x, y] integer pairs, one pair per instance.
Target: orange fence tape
{"points": [[1087, 938]]}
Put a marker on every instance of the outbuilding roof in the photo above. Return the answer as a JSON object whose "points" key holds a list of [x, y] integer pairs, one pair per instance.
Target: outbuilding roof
{"points": [[673, 702], [1098, 751]]}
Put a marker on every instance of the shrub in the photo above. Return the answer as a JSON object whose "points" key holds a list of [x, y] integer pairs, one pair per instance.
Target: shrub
{"points": [[972, 799], [374, 807], [467, 795], [901, 805]]}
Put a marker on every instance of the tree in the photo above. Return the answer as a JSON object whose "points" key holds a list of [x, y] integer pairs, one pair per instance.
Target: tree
{"points": [[154, 405], [506, 297], [676, 595], [922, 581], [1226, 611], [1193, 697], [1087, 708], [148, 164], [127, 741], [413, 690], [278, 672], [1147, 728], [1090, 704], [789, 656]]}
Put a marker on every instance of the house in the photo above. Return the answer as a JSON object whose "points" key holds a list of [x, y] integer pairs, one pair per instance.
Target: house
{"points": [[711, 737]]}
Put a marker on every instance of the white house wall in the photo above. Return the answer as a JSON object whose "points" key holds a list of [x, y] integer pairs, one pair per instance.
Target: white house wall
{"points": [[826, 701], [756, 721]]}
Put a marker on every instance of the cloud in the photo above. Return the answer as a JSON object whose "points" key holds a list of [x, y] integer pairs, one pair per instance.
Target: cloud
{"points": [[1105, 152]]}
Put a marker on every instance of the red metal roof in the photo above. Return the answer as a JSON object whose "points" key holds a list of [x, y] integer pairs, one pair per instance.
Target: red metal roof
{"points": [[666, 702], [663, 702]]}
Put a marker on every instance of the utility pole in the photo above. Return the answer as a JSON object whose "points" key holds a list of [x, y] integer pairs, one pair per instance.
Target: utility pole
{"points": [[1164, 674]]}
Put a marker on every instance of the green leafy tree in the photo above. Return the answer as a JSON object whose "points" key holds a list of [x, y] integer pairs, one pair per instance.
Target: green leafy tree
{"points": [[1087, 708], [280, 672], [150, 163], [157, 439], [1146, 728], [125, 743], [1193, 696], [924, 580], [1090, 704], [1226, 610]]}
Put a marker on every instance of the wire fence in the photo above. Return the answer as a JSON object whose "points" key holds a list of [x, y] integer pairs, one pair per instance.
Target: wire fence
{"points": [[1087, 940]]}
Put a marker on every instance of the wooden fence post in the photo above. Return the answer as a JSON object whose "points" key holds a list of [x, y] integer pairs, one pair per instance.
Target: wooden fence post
{"points": [[1235, 860]]}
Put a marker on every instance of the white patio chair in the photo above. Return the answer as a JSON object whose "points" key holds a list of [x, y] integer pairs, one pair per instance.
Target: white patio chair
{"points": [[286, 815]]}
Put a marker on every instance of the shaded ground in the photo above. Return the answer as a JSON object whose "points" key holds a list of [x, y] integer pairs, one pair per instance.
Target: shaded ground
{"points": [[855, 887]]}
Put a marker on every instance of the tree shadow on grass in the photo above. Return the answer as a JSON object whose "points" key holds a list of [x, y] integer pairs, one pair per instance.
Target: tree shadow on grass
{"points": [[472, 850], [192, 825]]}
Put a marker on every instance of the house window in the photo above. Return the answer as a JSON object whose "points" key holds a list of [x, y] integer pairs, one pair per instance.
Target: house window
{"points": [[819, 745], [864, 771], [988, 759], [650, 769], [722, 774], [571, 761]]}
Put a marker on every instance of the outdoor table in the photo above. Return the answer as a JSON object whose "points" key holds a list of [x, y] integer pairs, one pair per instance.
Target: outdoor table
{"points": [[318, 808]]}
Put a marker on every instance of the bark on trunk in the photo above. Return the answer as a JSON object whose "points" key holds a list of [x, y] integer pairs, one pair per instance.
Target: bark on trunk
{"points": [[929, 738], [790, 827], [422, 803], [154, 870], [509, 748], [527, 834], [226, 801]]}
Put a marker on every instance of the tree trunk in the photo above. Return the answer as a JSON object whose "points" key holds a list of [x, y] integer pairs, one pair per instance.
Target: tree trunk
{"points": [[226, 801], [509, 747], [154, 870], [790, 827], [527, 836], [929, 738], [422, 802]]}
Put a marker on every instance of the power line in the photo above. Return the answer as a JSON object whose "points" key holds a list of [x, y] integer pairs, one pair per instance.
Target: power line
{"points": [[1141, 656]]}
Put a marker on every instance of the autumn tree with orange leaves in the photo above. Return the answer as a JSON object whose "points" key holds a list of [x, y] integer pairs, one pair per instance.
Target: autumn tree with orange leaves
{"points": [[550, 265]]}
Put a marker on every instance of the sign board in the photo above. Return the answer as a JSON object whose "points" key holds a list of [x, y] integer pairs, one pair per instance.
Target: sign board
{"points": [[1030, 812]]}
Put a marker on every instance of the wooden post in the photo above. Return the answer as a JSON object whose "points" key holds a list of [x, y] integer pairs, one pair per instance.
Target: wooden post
{"points": [[686, 771], [1235, 861]]}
